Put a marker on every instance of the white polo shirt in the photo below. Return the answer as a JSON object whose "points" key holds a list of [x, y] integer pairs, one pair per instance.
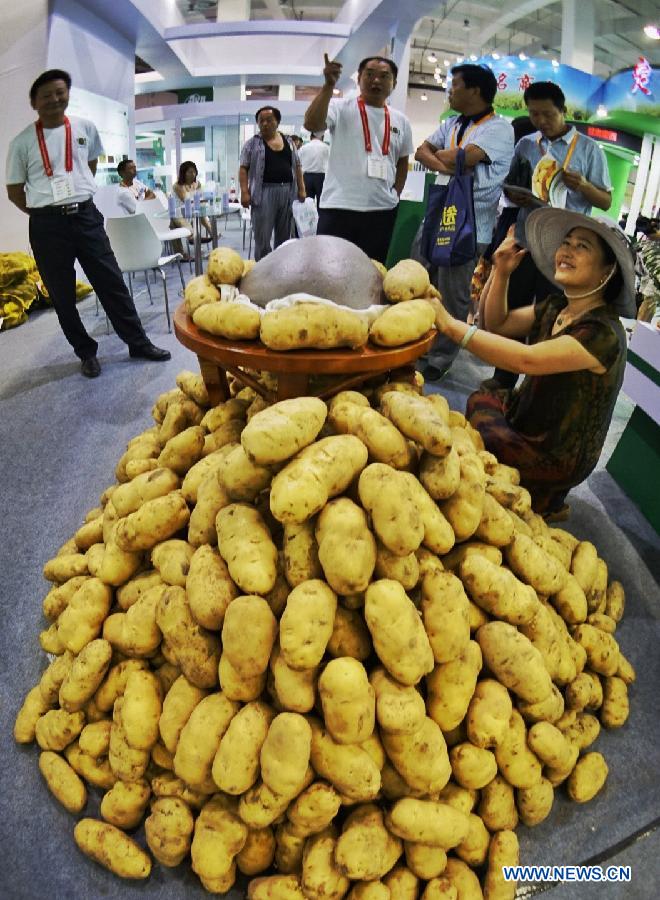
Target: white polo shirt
{"points": [[314, 157], [347, 185], [25, 165]]}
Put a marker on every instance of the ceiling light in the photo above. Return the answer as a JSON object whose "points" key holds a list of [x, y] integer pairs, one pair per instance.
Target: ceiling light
{"points": [[555, 63], [446, 62], [495, 55], [248, 93], [459, 59], [522, 56], [652, 31], [423, 97], [432, 58], [601, 112], [336, 91]]}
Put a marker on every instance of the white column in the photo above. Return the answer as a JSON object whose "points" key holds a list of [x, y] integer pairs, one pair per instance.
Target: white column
{"points": [[233, 11], [401, 56], [653, 184], [286, 92], [641, 179], [577, 34], [23, 58]]}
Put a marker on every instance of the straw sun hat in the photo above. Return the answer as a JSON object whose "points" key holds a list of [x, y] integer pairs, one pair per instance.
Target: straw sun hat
{"points": [[546, 228]]}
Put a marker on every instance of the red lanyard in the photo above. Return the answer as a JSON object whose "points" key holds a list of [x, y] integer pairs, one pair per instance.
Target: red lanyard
{"points": [[68, 148], [367, 133]]}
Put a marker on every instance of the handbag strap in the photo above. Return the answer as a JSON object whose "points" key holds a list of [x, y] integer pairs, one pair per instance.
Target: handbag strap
{"points": [[460, 162]]}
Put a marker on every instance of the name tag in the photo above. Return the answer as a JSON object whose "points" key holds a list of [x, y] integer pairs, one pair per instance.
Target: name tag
{"points": [[377, 167], [62, 187]]}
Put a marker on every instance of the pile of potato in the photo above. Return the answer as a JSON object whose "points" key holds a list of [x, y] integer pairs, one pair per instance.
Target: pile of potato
{"points": [[330, 641], [310, 326]]}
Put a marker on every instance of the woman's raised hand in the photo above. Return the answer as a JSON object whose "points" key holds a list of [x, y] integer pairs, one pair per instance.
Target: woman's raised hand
{"points": [[509, 254]]}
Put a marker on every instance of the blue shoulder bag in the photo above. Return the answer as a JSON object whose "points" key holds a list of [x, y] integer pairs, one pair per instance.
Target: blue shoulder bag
{"points": [[449, 234]]}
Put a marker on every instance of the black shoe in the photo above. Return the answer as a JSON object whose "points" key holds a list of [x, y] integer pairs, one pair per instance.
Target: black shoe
{"points": [[148, 351], [90, 368]]}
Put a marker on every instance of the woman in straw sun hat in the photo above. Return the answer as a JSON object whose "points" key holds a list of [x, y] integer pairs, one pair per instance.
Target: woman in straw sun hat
{"points": [[552, 428]]}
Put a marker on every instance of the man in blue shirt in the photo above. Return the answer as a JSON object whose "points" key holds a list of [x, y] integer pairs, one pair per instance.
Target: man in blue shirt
{"points": [[567, 169], [488, 143]]}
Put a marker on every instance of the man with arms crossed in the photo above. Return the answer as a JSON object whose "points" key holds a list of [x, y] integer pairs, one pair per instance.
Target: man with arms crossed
{"points": [[131, 189], [368, 162], [50, 176], [488, 143]]}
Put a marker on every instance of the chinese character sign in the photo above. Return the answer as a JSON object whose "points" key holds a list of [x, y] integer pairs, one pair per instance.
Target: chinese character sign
{"points": [[524, 81], [501, 81], [449, 217]]}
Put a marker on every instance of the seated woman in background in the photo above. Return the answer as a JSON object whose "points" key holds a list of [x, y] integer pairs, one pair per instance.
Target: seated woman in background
{"points": [[185, 187], [552, 428]]}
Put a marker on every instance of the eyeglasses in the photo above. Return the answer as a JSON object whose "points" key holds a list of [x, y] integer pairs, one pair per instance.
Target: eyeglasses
{"points": [[372, 74]]}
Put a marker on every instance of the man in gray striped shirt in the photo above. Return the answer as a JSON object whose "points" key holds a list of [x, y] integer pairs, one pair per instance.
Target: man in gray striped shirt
{"points": [[488, 143]]}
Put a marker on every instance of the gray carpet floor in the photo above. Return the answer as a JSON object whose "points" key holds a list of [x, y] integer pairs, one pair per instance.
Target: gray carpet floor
{"points": [[61, 438]]}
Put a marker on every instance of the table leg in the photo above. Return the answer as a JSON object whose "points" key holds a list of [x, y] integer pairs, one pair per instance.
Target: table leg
{"points": [[215, 380], [214, 232], [292, 385], [198, 244]]}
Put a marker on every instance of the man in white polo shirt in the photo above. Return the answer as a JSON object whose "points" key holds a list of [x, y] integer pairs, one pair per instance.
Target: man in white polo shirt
{"points": [[314, 163], [368, 162], [50, 176], [131, 189]]}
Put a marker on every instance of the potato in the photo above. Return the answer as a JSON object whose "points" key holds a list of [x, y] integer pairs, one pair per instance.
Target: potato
{"points": [[209, 588], [497, 807], [515, 760], [496, 525], [199, 741], [438, 533], [58, 597], [289, 849], [473, 849], [135, 632], [111, 848], [212, 496], [515, 661], [62, 781], [440, 475], [236, 763], [141, 710], [154, 521], [198, 292], [239, 687], [418, 420], [547, 633], [156, 483], [292, 689], [195, 650], [306, 624], [615, 601], [318, 473], [314, 809], [397, 632], [168, 830], [503, 851], [428, 822], [455, 557], [218, 837], [82, 620], [350, 636], [472, 767], [451, 685], [321, 877], [128, 594], [383, 440], [252, 562], [399, 708], [404, 569], [587, 778], [313, 326], [89, 534], [52, 678], [178, 704], [408, 321], [402, 883], [346, 547], [445, 613], [301, 558], [369, 890], [535, 803], [535, 567], [285, 753], [258, 852], [66, 566], [488, 714], [464, 508], [242, 479], [276, 887], [571, 602], [389, 499], [348, 701], [57, 728], [226, 437], [615, 709], [171, 559], [85, 675], [349, 769], [281, 430], [549, 745], [365, 849], [126, 762], [425, 861], [248, 634], [224, 266], [602, 649], [125, 803], [405, 281], [198, 472], [420, 758]]}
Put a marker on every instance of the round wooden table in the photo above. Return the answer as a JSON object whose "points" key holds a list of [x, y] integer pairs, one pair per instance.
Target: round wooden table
{"points": [[293, 368]]}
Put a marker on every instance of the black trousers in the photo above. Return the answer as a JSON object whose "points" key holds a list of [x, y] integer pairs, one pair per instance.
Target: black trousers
{"points": [[57, 241], [314, 185], [526, 285], [370, 231]]}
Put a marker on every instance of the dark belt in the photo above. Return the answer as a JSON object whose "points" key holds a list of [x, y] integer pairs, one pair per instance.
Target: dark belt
{"points": [[63, 209]]}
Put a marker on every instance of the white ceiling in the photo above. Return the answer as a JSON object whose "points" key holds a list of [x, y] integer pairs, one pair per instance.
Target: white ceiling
{"points": [[506, 27]]}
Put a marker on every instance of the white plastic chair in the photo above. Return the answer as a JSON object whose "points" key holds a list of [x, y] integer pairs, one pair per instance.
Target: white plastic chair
{"points": [[152, 210], [107, 202], [138, 248]]}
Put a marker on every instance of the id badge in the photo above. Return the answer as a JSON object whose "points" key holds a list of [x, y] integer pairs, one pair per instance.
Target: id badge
{"points": [[377, 167], [62, 186]]}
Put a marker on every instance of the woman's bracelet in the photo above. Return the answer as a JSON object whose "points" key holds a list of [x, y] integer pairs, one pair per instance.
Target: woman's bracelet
{"points": [[467, 337]]}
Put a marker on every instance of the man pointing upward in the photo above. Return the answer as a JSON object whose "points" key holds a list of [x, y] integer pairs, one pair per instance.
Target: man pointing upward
{"points": [[368, 162]]}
